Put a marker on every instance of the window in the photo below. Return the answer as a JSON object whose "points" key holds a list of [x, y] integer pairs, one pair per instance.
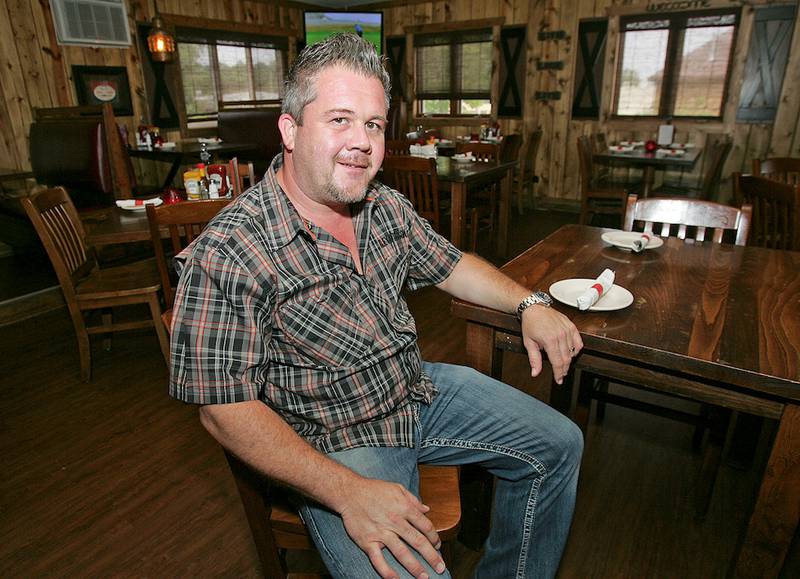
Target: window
{"points": [[454, 73], [228, 67], [675, 64]]}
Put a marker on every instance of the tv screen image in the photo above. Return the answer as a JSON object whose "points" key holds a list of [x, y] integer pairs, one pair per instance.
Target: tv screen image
{"points": [[320, 25]]}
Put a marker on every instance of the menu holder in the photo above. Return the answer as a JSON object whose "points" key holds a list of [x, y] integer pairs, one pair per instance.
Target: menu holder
{"points": [[665, 134]]}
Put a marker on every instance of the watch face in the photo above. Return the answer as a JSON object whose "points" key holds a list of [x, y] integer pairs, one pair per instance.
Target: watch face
{"points": [[543, 297]]}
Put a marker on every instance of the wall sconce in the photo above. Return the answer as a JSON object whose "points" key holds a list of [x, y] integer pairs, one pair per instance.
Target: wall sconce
{"points": [[160, 42]]}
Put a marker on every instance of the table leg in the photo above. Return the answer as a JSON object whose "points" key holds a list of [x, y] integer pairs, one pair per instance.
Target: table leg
{"points": [[176, 165], [503, 215], [458, 207], [777, 509], [648, 176]]}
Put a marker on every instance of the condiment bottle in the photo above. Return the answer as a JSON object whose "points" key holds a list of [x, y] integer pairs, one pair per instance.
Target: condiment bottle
{"points": [[201, 169], [191, 182]]}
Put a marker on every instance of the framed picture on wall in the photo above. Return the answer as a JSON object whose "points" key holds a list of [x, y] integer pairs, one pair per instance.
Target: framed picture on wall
{"points": [[97, 85]]}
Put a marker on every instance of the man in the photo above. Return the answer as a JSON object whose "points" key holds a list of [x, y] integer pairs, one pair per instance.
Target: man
{"points": [[291, 332]]}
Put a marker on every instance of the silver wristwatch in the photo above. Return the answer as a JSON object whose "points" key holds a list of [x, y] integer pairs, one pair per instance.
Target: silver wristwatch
{"points": [[537, 297]]}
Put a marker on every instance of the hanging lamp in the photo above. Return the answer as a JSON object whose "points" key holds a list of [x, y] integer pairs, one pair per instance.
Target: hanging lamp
{"points": [[160, 42]]}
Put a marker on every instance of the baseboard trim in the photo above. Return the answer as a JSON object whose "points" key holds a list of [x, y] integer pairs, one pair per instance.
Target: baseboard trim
{"points": [[31, 305]]}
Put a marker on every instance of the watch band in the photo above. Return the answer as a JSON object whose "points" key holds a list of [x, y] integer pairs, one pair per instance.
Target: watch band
{"points": [[537, 297]]}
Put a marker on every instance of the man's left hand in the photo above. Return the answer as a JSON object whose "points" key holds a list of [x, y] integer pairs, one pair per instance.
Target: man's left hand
{"points": [[549, 330]]}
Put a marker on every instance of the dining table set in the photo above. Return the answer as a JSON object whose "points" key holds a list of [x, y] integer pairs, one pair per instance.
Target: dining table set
{"points": [[716, 323], [649, 156]]}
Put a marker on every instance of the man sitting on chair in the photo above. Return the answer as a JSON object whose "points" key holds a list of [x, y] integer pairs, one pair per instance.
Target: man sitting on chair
{"points": [[291, 332]]}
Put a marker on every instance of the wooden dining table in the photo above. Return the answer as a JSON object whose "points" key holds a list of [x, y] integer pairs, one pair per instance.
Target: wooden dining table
{"points": [[649, 162], [461, 179], [185, 152], [112, 225], [725, 317]]}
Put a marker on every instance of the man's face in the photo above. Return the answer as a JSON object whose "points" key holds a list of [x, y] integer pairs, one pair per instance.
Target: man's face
{"points": [[339, 147]]}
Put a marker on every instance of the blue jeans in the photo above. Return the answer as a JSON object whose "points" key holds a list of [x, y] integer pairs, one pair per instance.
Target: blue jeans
{"points": [[533, 451]]}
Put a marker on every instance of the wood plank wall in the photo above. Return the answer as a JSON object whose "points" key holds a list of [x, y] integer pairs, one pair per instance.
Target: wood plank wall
{"points": [[557, 162], [37, 72]]}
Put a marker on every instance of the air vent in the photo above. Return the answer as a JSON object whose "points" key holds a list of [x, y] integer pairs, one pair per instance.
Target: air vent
{"points": [[91, 22]]}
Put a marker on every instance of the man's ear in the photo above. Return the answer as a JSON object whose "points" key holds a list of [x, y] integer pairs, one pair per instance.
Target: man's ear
{"points": [[287, 126]]}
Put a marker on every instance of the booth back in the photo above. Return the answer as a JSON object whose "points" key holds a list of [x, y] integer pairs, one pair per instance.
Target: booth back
{"points": [[255, 125]]}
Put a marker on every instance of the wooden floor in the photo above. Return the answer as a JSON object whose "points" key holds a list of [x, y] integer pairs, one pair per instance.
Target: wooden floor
{"points": [[113, 478]]}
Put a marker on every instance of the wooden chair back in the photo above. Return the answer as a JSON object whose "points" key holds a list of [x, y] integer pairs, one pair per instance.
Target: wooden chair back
{"points": [[585, 162], [184, 221], [718, 152], [57, 223], [85, 286], [776, 210], [415, 177], [276, 526], [783, 169], [481, 151], [700, 216], [397, 147], [510, 147], [239, 173]]}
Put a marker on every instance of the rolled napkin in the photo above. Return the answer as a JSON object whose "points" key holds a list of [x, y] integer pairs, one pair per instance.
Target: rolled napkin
{"points": [[422, 150], [600, 286], [640, 244], [132, 203]]}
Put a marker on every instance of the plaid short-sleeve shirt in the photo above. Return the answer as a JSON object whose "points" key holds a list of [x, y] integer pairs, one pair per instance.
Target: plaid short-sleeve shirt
{"points": [[270, 307]]}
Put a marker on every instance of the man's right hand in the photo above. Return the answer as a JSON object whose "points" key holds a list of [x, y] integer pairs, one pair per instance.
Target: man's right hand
{"points": [[379, 514]]}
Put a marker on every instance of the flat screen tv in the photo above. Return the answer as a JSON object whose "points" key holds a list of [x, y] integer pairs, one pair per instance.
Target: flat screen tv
{"points": [[320, 25]]}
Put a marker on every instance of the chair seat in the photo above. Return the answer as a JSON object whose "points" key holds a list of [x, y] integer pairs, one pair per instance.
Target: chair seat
{"points": [[137, 278]]}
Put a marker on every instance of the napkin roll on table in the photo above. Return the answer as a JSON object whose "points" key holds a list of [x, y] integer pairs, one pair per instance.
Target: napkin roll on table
{"points": [[641, 243], [593, 293], [131, 203]]}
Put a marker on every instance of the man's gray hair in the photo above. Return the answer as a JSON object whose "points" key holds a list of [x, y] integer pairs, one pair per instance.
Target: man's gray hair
{"points": [[344, 49]]}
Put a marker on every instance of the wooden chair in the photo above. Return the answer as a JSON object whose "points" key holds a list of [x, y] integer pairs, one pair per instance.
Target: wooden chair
{"points": [[695, 221], [481, 204], [700, 216], [86, 287], [783, 169], [397, 147], [238, 174], [596, 197], [184, 221], [525, 177], [717, 151], [276, 527], [776, 210], [415, 177]]}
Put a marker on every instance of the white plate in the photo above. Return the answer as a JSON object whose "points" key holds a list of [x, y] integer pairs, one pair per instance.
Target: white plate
{"points": [[625, 239], [567, 291], [136, 208], [463, 159]]}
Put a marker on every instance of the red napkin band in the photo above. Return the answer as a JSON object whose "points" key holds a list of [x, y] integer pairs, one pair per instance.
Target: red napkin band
{"points": [[646, 237], [599, 288], [138, 202]]}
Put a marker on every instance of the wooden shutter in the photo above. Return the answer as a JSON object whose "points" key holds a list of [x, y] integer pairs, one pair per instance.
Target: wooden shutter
{"points": [[589, 68], [396, 53], [512, 71], [766, 63]]}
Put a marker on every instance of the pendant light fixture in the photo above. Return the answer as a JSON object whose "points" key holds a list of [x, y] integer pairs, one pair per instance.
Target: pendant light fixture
{"points": [[160, 42]]}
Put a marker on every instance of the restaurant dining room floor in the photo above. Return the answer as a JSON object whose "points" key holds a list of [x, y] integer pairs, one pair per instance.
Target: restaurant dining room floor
{"points": [[113, 478]]}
